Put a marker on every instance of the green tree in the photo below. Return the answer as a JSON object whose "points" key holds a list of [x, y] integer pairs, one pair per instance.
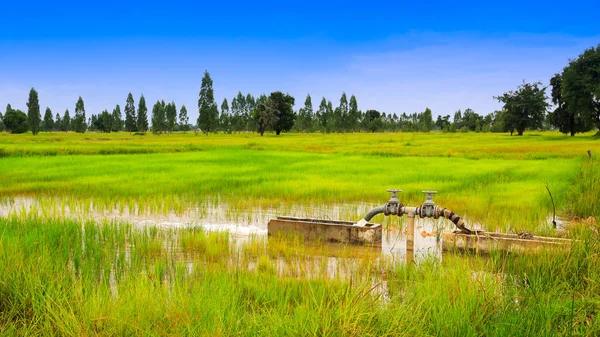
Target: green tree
{"points": [[158, 118], [321, 115], [282, 106], [565, 119], [224, 119], [66, 122], [581, 88], [103, 122], [425, 120], [353, 114], [131, 124], [142, 116], [343, 122], [171, 115], [33, 112], [57, 123], [373, 121], [264, 114], [183, 119], [305, 116], [15, 121], [524, 108], [2, 126], [207, 108], [48, 124], [79, 119], [331, 118], [117, 121]]}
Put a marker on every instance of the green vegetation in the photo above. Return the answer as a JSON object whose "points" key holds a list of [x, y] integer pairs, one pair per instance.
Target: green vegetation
{"points": [[64, 277]]}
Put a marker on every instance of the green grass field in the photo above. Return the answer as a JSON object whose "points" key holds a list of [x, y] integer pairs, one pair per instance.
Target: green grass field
{"points": [[63, 277]]}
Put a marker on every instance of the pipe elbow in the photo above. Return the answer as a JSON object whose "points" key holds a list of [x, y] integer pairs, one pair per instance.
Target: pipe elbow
{"points": [[456, 220], [374, 212]]}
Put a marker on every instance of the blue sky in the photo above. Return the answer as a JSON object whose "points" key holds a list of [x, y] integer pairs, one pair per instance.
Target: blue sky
{"points": [[395, 57]]}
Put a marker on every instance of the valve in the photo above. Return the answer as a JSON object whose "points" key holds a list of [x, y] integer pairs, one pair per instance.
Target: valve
{"points": [[428, 209], [393, 206]]}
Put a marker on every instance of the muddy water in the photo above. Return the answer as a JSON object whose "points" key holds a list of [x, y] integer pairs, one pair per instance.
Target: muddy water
{"points": [[243, 224]]}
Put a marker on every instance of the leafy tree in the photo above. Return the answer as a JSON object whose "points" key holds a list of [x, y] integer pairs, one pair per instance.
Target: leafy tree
{"points": [[224, 119], [373, 120], [565, 119], [343, 123], [117, 121], [142, 117], [207, 108], [321, 115], [281, 105], [443, 123], [330, 115], [58, 123], [158, 118], [66, 122], [33, 112], [48, 124], [103, 122], [15, 121], [131, 124], [525, 108], [2, 126], [353, 114], [305, 116], [183, 119], [79, 124], [238, 108], [264, 114], [581, 89], [171, 114], [425, 120]]}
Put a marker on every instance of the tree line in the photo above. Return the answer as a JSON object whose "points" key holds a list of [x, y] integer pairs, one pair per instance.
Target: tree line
{"points": [[575, 95]]}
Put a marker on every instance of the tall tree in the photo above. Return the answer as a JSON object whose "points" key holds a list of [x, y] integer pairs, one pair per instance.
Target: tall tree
{"points": [[305, 116], [79, 120], [282, 106], [331, 118], [117, 121], [33, 112], [207, 108], [158, 117], [565, 119], [321, 115], [224, 118], [353, 114], [264, 114], [581, 86], [2, 126], [183, 119], [57, 123], [66, 121], [48, 124], [344, 123], [103, 122], [525, 107], [130, 116], [142, 116], [425, 120], [171, 115]]}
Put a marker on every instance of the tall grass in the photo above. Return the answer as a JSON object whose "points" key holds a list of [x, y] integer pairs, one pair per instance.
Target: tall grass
{"points": [[61, 277]]}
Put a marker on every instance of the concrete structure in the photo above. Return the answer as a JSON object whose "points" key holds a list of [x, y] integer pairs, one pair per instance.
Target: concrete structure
{"points": [[485, 242], [326, 230]]}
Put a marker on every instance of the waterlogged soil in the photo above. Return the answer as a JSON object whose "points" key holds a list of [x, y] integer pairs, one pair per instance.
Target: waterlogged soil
{"points": [[244, 224]]}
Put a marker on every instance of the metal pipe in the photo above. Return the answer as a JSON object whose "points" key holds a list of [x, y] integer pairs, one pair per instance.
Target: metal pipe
{"points": [[370, 215], [410, 227], [448, 214]]}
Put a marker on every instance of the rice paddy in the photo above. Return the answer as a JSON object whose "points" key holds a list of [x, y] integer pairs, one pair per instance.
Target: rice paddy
{"points": [[77, 276]]}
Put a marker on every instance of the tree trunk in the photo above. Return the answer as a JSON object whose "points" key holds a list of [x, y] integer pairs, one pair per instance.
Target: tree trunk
{"points": [[277, 132], [520, 132]]}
